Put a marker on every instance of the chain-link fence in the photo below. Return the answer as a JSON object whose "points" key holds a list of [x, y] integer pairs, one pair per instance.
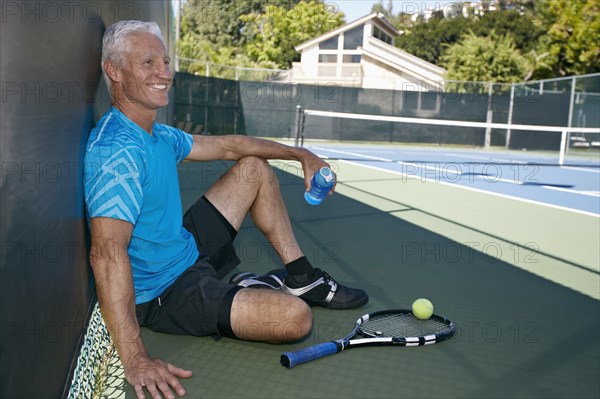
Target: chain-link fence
{"points": [[266, 107]]}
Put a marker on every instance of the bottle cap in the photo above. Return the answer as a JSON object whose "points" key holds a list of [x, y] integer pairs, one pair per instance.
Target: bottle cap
{"points": [[326, 173]]}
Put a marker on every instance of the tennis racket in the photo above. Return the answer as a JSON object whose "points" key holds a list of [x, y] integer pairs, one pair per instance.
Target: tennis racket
{"points": [[386, 327]]}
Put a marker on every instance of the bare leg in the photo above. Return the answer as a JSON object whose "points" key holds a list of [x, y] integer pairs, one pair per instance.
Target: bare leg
{"points": [[251, 186], [262, 315], [269, 316]]}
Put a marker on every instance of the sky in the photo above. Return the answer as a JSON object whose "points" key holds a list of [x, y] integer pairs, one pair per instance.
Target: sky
{"points": [[354, 9]]}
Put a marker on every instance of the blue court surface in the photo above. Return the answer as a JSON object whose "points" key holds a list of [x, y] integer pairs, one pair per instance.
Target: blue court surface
{"points": [[525, 176]]}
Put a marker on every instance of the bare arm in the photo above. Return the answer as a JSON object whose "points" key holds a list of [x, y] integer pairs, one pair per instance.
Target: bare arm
{"points": [[234, 147], [114, 284]]}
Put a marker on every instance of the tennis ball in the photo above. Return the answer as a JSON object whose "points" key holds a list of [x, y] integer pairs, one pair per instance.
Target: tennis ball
{"points": [[422, 308]]}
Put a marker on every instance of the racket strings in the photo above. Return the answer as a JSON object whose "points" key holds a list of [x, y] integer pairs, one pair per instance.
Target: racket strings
{"points": [[402, 325]]}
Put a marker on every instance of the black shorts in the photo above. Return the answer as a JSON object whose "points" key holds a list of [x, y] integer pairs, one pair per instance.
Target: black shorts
{"points": [[198, 303]]}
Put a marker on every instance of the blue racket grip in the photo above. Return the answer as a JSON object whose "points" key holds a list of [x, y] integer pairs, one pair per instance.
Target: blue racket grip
{"points": [[291, 359]]}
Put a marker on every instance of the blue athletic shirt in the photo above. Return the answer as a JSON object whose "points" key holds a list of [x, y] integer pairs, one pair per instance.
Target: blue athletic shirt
{"points": [[131, 175]]}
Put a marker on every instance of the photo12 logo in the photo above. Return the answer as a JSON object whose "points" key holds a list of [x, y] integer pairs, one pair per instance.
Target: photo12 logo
{"points": [[492, 332], [66, 11], [35, 92]]}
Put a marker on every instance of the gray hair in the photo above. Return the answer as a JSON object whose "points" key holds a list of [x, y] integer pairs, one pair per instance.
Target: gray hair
{"points": [[115, 43]]}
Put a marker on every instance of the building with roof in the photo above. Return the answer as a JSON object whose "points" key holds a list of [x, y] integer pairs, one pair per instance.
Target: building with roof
{"points": [[361, 54]]}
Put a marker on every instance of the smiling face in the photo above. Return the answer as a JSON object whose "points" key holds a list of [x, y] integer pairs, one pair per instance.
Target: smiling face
{"points": [[142, 83]]}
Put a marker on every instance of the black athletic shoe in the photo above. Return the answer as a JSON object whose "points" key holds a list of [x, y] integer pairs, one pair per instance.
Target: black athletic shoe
{"points": [[324, 291], [272, 280]]}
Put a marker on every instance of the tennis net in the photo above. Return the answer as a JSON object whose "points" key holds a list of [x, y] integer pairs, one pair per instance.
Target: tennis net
{"points": [[98, 372], [341, 126]]}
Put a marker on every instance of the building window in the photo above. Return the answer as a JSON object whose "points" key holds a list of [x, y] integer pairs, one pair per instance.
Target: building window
{"points": [[381, 35], [329, 44], [328, 58], [351, 58], [353, 38]]}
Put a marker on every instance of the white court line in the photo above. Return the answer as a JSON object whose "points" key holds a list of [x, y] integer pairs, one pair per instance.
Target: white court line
{"points": [[424, 166], [488, 159], [506, 180], [434, 168], [589, 193], [446, 170], [564, 208], [577, 168], [580, 169], [354, 154]]}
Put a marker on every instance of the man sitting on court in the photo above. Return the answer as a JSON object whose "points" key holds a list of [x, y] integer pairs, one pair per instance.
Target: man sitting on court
{"points": [[158, 268]]}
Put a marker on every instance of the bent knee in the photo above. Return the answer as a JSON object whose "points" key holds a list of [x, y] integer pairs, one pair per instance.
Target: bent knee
{"points": [[251, 161], [269, 316], [256, 169], [301, 320]]}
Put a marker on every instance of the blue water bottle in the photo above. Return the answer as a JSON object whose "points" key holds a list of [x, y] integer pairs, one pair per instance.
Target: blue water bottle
{"points": [[321, 183]]}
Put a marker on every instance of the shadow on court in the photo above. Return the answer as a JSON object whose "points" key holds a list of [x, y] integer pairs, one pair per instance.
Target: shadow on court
{"points": [[518, 335]]}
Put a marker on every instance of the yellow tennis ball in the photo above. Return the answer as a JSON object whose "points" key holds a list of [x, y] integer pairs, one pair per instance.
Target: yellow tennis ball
{"points": [[422, 308]]}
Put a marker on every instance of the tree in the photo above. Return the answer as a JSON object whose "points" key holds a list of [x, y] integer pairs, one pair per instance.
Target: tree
{"points": [[558, 37], [218, 21], [212, 31], [400, 21], [273, 33], [572, 39], [428, 40], [520, 26], [380, 8], [485, 59], [387, 11], [226, 57], [251, 33]]}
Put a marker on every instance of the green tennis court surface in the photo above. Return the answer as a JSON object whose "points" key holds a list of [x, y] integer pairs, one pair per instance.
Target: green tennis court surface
{"points": [[521, 283]]}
